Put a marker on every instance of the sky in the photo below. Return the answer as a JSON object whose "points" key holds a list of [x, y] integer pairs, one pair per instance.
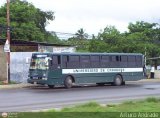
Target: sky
{"points": [[95, 15]]}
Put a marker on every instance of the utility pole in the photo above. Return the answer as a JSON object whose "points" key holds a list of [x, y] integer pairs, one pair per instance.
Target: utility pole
{"points": [[145, 58], [8, 41]]}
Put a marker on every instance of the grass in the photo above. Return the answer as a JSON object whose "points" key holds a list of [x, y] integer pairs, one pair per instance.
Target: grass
{"points": [[148, 105], [152, 99], [94, 110], [2, 83]]}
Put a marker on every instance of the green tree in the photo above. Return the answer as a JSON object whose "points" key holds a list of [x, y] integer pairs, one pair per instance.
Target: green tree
{"points": [[81, 34], [96, 45], [81, 45], [146, 35], [146, 38], [110, 35], [108, 40], [79, 40], [28, 22]]}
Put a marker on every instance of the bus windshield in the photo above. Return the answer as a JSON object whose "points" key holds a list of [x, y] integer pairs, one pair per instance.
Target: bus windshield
{"points": [[39, 62]]}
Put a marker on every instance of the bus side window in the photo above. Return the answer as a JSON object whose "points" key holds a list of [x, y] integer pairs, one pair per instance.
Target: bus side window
{"points": [[74, 58], [95, 61], [115, 58], [105, 61], [131, 61], [59, 59], [65, 59], [115, 61], [139, 61], [123, 62], [56, 61], [85, 61], [123, 58], [73, 61]]}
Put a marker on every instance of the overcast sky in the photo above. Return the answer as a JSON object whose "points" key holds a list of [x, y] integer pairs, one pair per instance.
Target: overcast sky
{"points": [[94, 15]]}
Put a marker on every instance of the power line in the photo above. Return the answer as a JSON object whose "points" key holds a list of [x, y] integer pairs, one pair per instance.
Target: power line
{"points": [[64, 35]]}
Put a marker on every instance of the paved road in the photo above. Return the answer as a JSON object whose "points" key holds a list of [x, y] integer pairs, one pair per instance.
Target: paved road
{"points": [[36, 98]]}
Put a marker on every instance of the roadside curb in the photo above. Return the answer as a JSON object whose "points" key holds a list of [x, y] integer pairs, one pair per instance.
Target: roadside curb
{"points": [[149, 80], [14, 86]]}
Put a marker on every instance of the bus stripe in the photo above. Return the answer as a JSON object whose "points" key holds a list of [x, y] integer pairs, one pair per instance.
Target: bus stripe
{"points": [[100, 70]]}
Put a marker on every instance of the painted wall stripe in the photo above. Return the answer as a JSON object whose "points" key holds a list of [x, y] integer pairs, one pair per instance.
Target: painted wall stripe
{"points": [[100, 70]]}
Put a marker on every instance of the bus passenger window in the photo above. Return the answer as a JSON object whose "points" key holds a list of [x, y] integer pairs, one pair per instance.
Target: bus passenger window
{"points": [[74, 58], [139, 61], [85, 61], [65, 59], [105, 59], [124, 58], [115, 58], [59, 59], [95, 61], [56, 59], [94, 58], [84, 58], [131, 61]]}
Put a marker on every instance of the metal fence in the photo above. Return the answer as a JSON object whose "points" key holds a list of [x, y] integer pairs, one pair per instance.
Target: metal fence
{"points": [[19, 66]]}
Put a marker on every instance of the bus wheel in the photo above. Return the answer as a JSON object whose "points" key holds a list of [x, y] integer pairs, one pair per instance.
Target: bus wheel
{"points": [[68, 82], [51, 86], [118, 80]]}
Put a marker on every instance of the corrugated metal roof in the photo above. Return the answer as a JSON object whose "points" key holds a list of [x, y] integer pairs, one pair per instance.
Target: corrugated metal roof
{"points": [[29, 43]]}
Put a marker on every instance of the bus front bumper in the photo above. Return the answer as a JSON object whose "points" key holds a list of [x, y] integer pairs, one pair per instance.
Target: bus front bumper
{"points": [[32, 81], [45, 82]]}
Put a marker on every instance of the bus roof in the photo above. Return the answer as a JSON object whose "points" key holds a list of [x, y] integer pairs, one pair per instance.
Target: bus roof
{"points": [[77, 53]]}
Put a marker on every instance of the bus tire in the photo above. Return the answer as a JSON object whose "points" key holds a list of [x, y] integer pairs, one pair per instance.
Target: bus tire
{"points": [[68, 82], [118, 80], [51, 86]]}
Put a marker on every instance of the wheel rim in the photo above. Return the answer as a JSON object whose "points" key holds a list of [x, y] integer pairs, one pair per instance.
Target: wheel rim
{"points": [[68, 82], [118, 80]]}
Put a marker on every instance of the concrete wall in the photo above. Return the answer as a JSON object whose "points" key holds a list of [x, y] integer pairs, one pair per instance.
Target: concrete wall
{"points": [[3, 64], [157, 74]]}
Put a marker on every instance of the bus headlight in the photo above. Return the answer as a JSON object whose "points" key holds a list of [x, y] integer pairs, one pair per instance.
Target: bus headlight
{"points": [[44, 74], [44, 78]]}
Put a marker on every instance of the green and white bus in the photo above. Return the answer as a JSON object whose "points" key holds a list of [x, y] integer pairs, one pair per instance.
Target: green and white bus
{"points": [[70, 69]]}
